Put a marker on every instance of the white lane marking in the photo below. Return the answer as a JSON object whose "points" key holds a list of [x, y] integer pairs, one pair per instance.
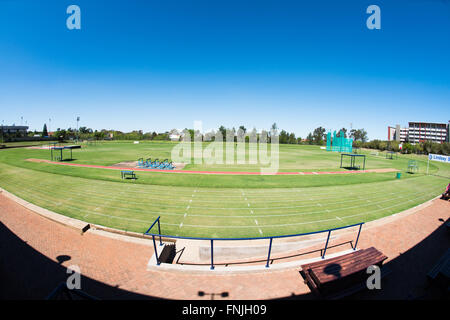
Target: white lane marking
{"points": [[339, 218]]}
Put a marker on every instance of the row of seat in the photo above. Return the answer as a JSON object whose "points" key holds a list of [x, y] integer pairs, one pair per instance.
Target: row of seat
{"points": [[155, 164]]}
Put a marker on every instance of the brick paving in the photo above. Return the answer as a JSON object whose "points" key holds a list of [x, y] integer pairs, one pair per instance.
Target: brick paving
{"points": [[35, 253]]}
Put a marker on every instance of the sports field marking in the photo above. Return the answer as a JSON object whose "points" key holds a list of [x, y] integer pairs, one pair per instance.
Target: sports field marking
{"points": [[266, 208], [233, 216], [295, 223], [237, 208], [208, 226], [187, 209], [152, 190], [289, 206]]}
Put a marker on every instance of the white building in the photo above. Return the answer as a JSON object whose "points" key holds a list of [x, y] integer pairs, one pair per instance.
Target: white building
{"points": [[419, 132]]}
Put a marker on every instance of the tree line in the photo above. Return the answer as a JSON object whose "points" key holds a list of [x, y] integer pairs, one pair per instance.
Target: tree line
{"points": [[424, 147], [317, 137]]}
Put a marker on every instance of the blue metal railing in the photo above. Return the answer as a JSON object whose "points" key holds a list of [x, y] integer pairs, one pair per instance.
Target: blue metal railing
{"points": [[157, 221]]}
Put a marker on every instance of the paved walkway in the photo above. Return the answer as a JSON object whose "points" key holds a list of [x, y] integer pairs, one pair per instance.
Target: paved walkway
{"points": [[213, 172], [35, 252]]}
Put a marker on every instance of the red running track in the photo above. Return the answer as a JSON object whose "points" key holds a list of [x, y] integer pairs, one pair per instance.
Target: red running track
{"points": [[211, 172]]}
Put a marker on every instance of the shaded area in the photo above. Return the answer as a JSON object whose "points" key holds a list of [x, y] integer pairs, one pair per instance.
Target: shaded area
{"points": [[27, 274], [407, 279]]}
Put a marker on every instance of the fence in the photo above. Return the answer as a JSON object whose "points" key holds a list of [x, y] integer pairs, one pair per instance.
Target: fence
{"points": [[157, 221]]}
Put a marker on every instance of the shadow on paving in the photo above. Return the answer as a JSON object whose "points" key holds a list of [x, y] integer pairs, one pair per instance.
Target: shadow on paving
{"points": [[27, 274], [408, 277]]}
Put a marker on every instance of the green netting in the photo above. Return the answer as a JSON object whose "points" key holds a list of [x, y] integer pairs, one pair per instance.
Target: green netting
{"points": [[329, 141], [339, 144]]}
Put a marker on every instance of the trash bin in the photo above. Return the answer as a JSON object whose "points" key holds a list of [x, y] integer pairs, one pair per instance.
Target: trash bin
{"points": [[399, 175]]}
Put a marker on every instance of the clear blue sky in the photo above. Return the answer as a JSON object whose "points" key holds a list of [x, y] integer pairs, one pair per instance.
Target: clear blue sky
{"points": [[157, 65]]}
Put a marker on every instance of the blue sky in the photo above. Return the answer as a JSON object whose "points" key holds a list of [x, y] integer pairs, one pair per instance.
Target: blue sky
{"points": [[157, 65]]}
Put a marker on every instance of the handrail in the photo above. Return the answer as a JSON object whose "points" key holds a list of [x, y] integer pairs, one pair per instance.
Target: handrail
{"points": [[249, 238], [158, 262]]}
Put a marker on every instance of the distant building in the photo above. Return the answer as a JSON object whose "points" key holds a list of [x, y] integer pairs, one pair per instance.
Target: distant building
{"points": [[16, 130], [175, 137], [419, 132]]}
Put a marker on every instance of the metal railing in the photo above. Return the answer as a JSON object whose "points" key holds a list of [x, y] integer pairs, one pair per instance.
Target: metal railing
{"points": [[157, 221]]}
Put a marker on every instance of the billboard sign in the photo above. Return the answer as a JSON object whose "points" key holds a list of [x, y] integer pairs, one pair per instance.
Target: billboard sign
{"points": [[438, 157]]}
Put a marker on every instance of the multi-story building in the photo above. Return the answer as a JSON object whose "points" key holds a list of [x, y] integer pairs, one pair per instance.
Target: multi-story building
{"points": [[18, 130], [419, 132]]}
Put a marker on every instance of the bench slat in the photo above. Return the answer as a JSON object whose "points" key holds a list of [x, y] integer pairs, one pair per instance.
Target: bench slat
{"points": [[350, 260], [346, 265], [355, 254], [323, 277]]}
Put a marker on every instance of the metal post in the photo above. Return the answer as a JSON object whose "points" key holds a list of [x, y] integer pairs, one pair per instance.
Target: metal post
{"points": [[326, 245], [428, 163], [341, 160], [357, 238], [159, 232], [212, 254], [268, 255], [156, 251]]}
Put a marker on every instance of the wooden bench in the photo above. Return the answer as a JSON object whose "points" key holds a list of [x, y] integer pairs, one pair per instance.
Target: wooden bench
{"points": [[128, 173], [327, 278]]}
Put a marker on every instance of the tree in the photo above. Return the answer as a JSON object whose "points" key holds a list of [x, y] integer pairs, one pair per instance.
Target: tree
{"points": [[223, 132], [310, 138], [44, 131], [292, 139], [274, 127], [319, 135], [283, 137], [359, 135], [339, 133]]}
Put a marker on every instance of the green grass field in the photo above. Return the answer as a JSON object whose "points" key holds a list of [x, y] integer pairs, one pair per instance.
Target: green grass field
{"points": [[218, 205]]}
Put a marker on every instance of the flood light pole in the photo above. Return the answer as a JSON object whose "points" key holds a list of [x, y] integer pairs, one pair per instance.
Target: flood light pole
{"points": [[78, 119]]}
